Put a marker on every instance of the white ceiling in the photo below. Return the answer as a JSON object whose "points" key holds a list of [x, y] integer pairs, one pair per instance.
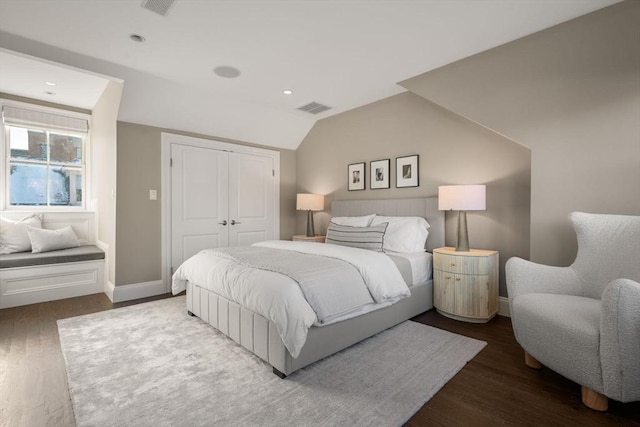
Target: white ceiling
{"points": [[342, 53], [33, 78]]}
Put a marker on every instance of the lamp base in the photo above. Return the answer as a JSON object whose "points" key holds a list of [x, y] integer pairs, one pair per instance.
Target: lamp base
{"points": [[463, 236], [310, 229]]}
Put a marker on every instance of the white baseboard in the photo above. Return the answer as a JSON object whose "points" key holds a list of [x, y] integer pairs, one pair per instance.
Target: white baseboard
{"points": [[108, 289], [134, 291], [503, 307]]}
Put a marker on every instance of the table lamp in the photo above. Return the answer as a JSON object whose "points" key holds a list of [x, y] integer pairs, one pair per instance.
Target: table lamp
{"points": [[309, 203], [462, 198]]}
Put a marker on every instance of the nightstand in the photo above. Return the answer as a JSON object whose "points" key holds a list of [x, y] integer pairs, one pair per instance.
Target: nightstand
{"points": [[465, 284], [304, 238]]}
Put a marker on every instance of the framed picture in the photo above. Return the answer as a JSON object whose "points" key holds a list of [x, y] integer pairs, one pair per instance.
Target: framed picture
{"points": [[407, 171], [379, 174], [356, 176]]}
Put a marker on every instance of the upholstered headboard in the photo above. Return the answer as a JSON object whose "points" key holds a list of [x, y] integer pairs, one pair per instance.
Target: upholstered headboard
{"points": [[425, 207]]}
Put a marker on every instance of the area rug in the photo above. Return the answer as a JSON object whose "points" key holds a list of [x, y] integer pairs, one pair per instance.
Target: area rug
{"points": [[153, 365]]}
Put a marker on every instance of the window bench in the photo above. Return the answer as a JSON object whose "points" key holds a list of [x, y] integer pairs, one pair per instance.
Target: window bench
{"points": [[27, 278]]}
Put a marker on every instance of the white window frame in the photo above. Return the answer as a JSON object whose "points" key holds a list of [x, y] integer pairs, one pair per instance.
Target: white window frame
{"points": [[5, 158]]}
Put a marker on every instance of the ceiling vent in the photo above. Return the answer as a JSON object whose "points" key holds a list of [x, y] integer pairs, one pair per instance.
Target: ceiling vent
{"points": [[314, 108], [161, 7]]}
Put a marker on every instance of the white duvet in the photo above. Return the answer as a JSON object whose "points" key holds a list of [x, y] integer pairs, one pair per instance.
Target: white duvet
{"points": [[278, 297]]}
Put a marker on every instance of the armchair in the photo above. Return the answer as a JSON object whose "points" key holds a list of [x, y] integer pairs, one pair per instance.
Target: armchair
{"points": [[583, 321]]}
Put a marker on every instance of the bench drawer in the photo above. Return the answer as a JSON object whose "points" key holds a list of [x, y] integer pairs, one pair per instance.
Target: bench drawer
{"points": [[30, 285]]}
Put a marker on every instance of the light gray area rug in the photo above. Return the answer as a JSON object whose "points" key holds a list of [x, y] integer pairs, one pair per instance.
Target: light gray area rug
{"points": [[153, 365]]}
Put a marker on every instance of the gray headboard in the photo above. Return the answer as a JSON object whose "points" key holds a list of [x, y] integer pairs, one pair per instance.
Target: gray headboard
{"points": [[425, 207]]}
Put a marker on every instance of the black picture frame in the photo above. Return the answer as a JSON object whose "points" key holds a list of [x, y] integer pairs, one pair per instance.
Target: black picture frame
{"points": [[380, 174], [356, 176], [408, 171]]}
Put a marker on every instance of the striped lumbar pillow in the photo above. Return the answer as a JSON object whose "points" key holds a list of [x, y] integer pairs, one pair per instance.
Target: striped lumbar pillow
{"points": [[371, 238]]}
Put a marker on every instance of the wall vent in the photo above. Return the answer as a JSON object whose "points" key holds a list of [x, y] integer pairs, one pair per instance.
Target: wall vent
{"points": [[314, 108], [161, 7]]}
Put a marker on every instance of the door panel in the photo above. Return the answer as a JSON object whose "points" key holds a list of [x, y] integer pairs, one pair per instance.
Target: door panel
{"points": [[191, 245], [247, 238], [199, 201], [251, 199], [472, 295]]}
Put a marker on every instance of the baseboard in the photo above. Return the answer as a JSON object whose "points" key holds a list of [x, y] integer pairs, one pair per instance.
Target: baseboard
{"points": [[503, 307], [108, 289], [134, 291]]}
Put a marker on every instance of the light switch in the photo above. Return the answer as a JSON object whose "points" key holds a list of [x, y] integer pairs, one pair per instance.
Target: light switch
{"points": [[153, 194]]}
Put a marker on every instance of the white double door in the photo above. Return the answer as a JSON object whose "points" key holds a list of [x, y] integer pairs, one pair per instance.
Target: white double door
{"points": [[218, 199]]}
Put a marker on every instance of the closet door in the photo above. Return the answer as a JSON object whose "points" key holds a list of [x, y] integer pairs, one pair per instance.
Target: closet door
{"points": [[251, 199], [199, 201]]}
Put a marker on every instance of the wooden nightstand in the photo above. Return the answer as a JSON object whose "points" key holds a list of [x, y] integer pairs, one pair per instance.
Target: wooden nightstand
{"points": [[465, 284], [304, 238]]}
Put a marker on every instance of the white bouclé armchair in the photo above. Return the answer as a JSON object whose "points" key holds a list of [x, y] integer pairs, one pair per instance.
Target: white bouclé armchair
{"points": [[583, 321]]}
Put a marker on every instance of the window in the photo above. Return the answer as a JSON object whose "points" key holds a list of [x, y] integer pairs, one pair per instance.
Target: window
{"points": [[45, 153]]}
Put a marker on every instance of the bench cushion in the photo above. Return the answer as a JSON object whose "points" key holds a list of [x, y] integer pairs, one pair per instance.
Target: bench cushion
{"points": [[27, 259]]}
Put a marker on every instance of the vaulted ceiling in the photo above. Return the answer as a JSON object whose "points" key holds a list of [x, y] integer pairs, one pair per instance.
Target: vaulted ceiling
{"points": [[340, 53]]}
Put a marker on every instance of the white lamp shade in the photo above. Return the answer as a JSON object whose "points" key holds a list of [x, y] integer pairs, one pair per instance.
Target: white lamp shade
{"points": [[309, 202], [462, 198]]}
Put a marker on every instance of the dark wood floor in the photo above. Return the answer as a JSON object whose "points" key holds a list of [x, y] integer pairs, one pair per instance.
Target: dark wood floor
{"points": [[495, 388]]}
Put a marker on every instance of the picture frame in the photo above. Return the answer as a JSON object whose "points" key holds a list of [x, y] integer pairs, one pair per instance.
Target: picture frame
{"points": [[407, 171], [356, 177], [380, 174]]}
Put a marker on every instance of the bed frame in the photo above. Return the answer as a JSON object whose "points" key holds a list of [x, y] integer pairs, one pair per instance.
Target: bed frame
{"points": [[260, 336]]}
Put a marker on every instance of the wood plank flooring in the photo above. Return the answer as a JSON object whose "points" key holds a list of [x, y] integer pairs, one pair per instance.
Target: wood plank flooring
{"points": [[495, 388]]}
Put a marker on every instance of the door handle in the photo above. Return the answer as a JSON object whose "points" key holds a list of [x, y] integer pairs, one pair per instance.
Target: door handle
{"points": [[234, 222], [224, 222]]}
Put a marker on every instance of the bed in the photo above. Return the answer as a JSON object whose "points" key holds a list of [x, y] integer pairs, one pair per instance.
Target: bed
{"points": [[261, 336]]}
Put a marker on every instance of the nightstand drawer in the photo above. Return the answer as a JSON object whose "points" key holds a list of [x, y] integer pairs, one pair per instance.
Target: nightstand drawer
{"points": [[462, 264]]}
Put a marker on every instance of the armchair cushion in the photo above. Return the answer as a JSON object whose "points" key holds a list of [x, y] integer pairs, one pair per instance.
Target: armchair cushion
{"points": [[563, 333]]}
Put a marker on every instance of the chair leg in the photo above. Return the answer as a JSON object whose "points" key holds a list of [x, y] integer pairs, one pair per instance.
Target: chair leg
{"points": [[594, 400], [531, 362]]}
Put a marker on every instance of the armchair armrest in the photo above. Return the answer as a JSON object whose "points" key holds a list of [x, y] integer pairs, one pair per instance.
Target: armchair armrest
{"points": [[620, 340], [526, 277]]}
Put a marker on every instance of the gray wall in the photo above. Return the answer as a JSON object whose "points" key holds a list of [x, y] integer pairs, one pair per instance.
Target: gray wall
{"points": [[452, 150], [138, 227], [571, 94]]}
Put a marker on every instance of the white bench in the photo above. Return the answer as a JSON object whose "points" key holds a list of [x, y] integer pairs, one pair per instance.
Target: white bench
{"points": [[27, 278]]}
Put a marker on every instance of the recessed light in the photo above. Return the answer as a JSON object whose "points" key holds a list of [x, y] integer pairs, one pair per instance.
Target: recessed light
{"points": [[49, 83], [48, 92], [137, 38], [227, 71], [287, 91]]}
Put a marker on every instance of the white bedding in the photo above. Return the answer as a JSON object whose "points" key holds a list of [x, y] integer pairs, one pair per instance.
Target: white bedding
{"points": [[278, 297], [421, 265]]}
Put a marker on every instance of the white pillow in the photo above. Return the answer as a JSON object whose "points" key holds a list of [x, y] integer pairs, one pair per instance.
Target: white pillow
{"points": [[353, 221], [404, 233], [49, 240], [13, 234]]}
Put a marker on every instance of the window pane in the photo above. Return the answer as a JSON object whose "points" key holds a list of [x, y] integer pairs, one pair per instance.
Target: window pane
{"points": [[28, 184], [35, 147], [65, 186], [65, 148]]}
